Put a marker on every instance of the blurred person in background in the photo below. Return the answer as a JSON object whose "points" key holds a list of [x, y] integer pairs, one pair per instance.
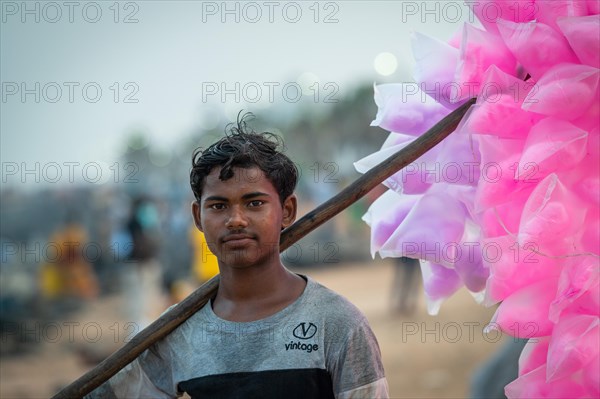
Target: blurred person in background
{"points": [[69, 275], [204, 266], [143, 276], [405, 289], [490, 378]]}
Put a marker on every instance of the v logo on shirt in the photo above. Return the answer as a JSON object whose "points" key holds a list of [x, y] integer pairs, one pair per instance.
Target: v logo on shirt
{"points": [[305, 332]]}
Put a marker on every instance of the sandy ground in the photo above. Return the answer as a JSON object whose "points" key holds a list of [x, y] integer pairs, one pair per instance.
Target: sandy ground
{"points": [[424, 356]]}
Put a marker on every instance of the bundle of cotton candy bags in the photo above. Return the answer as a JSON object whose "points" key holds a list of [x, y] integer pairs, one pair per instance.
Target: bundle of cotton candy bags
{"points": [[508, 205]]}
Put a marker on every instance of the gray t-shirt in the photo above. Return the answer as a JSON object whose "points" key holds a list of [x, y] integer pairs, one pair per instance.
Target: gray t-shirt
{"points": [[320, 346]]}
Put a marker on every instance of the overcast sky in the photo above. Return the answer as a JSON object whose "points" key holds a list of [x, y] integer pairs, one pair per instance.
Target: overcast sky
{"points": [[78, 76]]}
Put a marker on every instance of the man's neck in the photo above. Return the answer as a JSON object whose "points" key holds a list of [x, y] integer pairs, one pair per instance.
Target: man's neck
{"points": [[256, 292]]}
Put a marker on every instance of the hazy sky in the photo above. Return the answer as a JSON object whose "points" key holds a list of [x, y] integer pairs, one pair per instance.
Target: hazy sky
{"points": [[78, 76]]}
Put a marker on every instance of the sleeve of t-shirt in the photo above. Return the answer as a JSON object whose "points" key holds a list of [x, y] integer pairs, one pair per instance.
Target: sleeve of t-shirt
{"points": [[148, 376], [357, 370]]}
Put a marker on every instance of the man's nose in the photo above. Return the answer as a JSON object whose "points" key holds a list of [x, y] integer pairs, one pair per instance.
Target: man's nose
{"points": [[237, 218]]}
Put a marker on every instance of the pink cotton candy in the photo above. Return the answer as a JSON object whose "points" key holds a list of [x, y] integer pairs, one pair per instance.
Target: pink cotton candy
{"points": [[404, 108], [524, 314], [436, 64], [479, 50], [469, 266], [552, 144], [488, 11], [593, 7], [534, 355], [587, 303], [577, 288], [410, 180], [458, 161], [498, 111], [502, 219], [465, 259], [496, 83], [590, 238], [573, 345], [513, 267], [584, 177], [525, 224], [455, 161], [439, 283], [536, 46], [385, 215], [413, 179], [456, 38], [566, 91], [464, 194], [589, 120], [499, 164], [593, 152], [552, 219], [534, 385], [433, 223], [583, 34], [591, 377], [548, 11], [502, 118]]}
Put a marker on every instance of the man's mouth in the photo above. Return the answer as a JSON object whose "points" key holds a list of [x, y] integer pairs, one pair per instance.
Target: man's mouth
{"points": [[237, 239]]}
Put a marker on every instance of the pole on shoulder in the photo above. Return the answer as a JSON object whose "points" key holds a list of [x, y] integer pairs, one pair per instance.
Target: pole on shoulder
{"points": [[168, 322]]}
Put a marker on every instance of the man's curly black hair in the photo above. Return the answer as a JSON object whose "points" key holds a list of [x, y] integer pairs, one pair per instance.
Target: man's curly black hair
{"points": [[243, 148]]}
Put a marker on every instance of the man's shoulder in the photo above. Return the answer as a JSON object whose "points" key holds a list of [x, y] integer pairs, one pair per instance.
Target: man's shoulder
{"points": [[332, 305]]}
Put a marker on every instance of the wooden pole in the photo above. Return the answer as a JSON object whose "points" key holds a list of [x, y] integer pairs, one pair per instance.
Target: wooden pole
{"points": [[194, 302]]}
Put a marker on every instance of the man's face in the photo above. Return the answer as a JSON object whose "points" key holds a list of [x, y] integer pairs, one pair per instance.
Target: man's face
{"points": [[242, 217]]}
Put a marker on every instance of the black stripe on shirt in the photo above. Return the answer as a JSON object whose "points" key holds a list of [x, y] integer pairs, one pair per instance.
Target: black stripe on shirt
{"points": [[289, 384]]}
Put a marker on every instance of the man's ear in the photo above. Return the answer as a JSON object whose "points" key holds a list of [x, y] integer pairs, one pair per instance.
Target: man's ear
{"points": [[290, 207], [196, 215]]}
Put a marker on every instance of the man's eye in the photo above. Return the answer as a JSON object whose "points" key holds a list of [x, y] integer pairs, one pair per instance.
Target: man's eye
{"points": [[217, 206], [255, 203]]}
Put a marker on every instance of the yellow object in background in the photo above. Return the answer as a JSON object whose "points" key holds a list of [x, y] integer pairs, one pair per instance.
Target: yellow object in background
{"points": [[51, 281], [71, 274], [204, 262]]}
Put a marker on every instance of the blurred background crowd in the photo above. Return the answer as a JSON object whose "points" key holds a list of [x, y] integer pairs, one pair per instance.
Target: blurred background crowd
{"points": [[67, 244]]}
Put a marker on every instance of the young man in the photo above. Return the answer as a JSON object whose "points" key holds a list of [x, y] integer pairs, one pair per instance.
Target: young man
{"points": [[268, 333]]}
